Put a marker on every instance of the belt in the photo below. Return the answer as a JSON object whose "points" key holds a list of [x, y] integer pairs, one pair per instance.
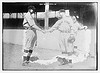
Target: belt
{"points": [[64, 31]]}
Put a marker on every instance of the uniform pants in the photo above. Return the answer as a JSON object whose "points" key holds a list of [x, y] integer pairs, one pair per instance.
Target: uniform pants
{"points": [[65, 45], [30, 38]]}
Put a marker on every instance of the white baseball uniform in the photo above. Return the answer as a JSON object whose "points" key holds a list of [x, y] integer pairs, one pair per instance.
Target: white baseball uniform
{"points": [[64, 25], [30, 32]]}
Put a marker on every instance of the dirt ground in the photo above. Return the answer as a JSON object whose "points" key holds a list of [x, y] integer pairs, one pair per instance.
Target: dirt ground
{"points": [[12, 59]]}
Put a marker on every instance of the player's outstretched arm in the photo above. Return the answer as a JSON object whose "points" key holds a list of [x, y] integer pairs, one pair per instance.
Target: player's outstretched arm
{"points": [[55, 26]]}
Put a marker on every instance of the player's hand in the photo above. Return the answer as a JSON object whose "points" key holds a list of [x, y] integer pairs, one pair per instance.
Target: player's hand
{"points": [[43, 31], [85, 27], [46, 31]]}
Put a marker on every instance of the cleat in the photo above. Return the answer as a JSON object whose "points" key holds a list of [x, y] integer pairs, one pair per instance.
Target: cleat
{"points": [[70, 53], [75, 47], [24, 58], [25, 63], [64, 53], [70, 61]]}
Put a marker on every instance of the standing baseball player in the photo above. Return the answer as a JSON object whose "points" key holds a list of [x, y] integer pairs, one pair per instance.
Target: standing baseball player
{"points": [[30, 33], [74, 29], [64, 26]]}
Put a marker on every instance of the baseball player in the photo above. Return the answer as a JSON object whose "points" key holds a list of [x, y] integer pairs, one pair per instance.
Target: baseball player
{"points": [[74, 29], [30, 34], [64, 26]]}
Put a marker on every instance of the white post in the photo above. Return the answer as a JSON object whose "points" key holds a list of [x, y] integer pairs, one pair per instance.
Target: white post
{"points": [[46, 15]]}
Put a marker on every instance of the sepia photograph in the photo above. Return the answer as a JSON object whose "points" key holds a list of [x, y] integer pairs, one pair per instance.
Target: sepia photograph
{"points": [[49, 36]]}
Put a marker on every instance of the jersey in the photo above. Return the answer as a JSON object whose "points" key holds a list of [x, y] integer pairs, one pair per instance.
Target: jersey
{"points": [[76, 26], [65, 24], [28, 20]]}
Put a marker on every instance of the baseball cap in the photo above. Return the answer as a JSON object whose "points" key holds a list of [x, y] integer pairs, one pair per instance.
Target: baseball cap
{"points": [[31, 7], [62, 10]]}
